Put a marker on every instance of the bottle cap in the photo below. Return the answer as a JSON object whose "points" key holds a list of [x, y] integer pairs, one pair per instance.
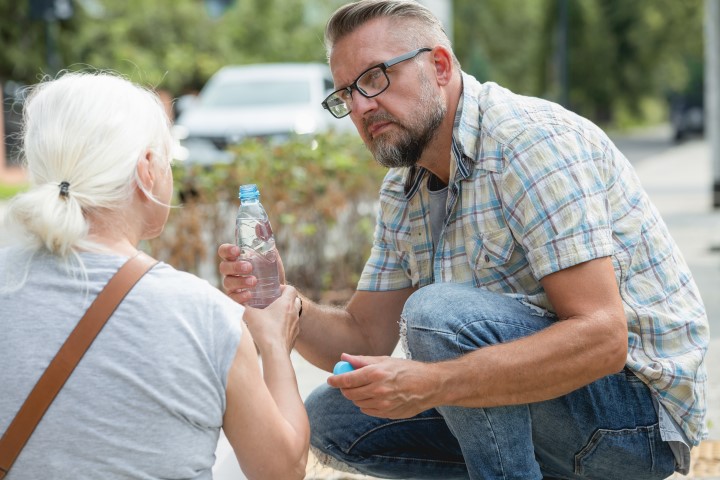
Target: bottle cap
{"points": [[342, 367], [248, 192]]}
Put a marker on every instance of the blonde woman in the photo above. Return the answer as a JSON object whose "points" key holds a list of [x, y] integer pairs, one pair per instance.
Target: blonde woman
{"points": [[175, 362]]}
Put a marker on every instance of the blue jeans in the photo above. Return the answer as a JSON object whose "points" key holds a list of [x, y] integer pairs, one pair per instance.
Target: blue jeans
{"points": [[605, 430]]}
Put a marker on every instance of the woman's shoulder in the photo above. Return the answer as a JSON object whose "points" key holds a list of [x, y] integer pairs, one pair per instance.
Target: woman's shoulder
{"points": [[166, 280], [163, 286]]}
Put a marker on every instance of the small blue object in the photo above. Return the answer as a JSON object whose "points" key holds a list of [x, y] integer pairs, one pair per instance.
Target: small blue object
{"points": [[342, 367]]}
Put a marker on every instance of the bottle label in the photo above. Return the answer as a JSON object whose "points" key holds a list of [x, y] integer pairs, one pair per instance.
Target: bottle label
{"points": [[263, 231], [254, 234]]}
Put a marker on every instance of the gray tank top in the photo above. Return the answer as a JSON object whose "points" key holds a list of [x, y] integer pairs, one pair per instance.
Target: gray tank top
{"points": [[147, 399], [438, 204]]}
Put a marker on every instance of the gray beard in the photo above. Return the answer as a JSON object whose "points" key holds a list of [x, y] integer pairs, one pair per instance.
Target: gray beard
{"points": [[414, 139]]}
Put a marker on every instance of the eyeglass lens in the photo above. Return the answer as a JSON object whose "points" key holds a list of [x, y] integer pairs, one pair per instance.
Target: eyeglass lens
{"points": [[373, 82], [370, 84]]}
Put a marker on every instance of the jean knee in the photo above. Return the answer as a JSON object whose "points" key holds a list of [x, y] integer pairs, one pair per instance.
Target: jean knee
{"points": [[445, 320], [324, 408], [423, 308], [423, 319]]}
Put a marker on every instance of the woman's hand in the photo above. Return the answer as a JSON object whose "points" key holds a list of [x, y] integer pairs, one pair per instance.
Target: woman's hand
{"points": [[277, 325]]}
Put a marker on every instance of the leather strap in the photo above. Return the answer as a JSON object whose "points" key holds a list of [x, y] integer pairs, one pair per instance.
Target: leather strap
{"points": [[62, 366]]}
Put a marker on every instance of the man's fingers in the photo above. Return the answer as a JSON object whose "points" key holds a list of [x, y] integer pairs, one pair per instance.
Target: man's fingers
{"points": [[232, 283], [359, 361], [241, 296], [359, 396], [235, 267], [228, 251]]}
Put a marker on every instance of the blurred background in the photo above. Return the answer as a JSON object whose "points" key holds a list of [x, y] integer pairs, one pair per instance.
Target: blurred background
{"points": [[647, 71], [623, 64]]}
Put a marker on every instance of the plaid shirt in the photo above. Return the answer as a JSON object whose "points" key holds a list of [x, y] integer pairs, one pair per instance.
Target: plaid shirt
{"points": [[535, 189]]}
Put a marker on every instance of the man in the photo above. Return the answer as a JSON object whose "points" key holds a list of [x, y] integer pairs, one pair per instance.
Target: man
{"points": [[552, 326]]}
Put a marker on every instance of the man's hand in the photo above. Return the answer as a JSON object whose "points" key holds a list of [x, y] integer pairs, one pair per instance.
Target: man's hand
{"points": [[387, 387], [237, 274]]}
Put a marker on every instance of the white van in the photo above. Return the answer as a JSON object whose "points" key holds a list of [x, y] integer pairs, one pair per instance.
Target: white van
{"points": [[272, 101]]}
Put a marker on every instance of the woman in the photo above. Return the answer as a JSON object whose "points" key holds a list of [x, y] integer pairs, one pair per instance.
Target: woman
{"points": [[175, 362]]}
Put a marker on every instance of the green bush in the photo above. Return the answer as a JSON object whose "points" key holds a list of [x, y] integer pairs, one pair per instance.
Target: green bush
{"points": [[7, 191], [319, 192]]}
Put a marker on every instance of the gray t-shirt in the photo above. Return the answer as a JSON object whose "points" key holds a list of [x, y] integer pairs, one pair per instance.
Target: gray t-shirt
{"points": [[147, 399]]}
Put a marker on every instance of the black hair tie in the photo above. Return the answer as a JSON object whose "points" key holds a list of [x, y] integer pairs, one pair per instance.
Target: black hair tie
{"points": [[64, 189]]}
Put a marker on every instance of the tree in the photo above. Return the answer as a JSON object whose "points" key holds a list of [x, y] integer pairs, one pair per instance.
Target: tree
{"points": [[171, 44], [499, 41], [22, 56], [622, 53]]}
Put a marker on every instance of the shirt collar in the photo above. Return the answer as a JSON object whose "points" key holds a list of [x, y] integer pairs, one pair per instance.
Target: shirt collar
{"points": [[463, 163]]}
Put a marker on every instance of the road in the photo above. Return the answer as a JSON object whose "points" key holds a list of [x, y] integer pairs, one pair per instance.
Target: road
{"points": [[644, 144]]}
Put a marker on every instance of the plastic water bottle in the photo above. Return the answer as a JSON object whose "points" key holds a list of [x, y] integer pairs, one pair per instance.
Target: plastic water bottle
{"points": [[254, 236]]}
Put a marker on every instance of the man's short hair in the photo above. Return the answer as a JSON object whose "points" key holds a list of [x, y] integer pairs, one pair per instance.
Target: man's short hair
{"points": [[427, 31]]}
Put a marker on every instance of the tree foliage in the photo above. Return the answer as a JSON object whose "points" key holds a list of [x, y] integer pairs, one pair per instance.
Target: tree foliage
{"points": [[22, 43], [620, 52], [319, 193], [172, 44]]}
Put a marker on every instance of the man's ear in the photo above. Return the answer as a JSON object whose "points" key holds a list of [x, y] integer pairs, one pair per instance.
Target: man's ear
{"points": [[145, 173], [443, 62]]}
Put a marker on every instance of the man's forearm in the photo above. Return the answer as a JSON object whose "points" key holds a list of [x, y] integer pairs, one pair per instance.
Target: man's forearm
{"points": [[551, 363], [368, 325], [325, 333]]}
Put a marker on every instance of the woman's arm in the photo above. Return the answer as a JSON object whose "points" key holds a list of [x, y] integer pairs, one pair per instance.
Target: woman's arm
{"points": [[265, 419]]}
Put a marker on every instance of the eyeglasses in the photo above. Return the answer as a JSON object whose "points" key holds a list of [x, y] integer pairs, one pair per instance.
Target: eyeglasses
{"points": [[370, 83]]}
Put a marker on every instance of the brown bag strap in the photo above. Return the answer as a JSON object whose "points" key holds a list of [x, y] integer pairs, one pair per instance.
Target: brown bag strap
{"points": [[62, 366]]}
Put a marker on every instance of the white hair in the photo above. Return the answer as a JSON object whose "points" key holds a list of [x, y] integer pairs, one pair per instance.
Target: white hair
{"points": [[88, 130]]}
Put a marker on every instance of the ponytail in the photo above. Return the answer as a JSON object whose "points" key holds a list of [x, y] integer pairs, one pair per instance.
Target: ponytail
{"points": [[83, 135], [52, 220]]}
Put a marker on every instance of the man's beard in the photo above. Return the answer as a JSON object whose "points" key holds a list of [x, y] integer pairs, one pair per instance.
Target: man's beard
{"points": [[404, 149]]}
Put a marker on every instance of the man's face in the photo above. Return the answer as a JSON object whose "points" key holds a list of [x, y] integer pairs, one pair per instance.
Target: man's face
{"points": [[398, 124]]}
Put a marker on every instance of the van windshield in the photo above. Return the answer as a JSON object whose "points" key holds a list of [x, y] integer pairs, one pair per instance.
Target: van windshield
{"points": [[257, 93]]}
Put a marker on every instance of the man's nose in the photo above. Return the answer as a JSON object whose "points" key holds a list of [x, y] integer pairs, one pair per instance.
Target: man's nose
{"points": [[362, 104]]}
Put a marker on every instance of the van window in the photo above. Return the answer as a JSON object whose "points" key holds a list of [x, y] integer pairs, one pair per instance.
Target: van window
{"points": [[257, 93]]}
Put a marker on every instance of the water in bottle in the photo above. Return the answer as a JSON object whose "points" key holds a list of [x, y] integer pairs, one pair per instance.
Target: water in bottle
{"points": [[254, 236]]}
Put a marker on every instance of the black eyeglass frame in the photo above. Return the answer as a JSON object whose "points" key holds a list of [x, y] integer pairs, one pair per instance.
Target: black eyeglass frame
{"points": [[383, 67]]}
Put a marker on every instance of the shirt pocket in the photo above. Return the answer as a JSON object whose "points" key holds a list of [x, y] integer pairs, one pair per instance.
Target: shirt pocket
{"points": [[489, 250]]}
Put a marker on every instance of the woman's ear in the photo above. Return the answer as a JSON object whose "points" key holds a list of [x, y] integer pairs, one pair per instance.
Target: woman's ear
{"points": [[145, 174]]}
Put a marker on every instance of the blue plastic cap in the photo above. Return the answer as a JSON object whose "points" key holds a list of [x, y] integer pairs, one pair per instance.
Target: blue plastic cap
{"points": [[248, 192], [342, 367]]}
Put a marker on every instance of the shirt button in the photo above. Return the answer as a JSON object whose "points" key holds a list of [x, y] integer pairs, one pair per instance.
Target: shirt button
{"points": [[487, 258]]}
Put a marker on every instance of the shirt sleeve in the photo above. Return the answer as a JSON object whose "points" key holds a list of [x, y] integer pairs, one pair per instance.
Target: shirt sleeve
{"points": [[387, 268], [555, 190]]}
